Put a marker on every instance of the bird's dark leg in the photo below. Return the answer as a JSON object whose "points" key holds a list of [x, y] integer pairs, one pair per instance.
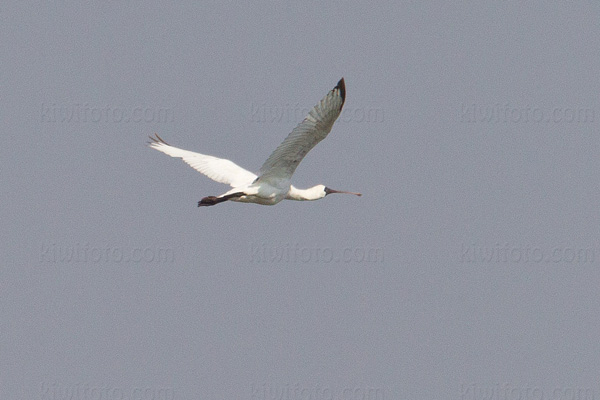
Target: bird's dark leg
{"points": [[212, 200]]}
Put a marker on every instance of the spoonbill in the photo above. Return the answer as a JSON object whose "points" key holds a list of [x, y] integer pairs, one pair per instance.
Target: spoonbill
{"points": [[273, 183]]}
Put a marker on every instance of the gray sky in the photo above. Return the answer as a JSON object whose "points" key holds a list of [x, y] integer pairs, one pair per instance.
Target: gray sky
{"points": [[469, 268]]}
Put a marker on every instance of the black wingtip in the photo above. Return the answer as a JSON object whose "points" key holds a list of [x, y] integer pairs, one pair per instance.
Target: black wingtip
{"points": [[157, 139], [341, 85]]}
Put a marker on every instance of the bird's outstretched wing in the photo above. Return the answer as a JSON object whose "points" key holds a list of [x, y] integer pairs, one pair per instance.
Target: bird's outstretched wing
{"points": [[217, 169], [283, 161]]}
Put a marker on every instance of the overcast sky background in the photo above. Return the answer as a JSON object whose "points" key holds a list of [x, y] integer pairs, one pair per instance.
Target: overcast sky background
{"points": [[468, 267]]}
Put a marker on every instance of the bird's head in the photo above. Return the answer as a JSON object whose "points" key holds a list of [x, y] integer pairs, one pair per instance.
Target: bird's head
{"points": [[313, 193]]}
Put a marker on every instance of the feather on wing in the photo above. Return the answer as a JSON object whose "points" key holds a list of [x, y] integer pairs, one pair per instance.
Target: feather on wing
{"points": [[318, 123], [217, 169]]}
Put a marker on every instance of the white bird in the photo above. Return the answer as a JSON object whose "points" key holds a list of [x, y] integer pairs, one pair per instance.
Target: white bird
{"points": [[273, 183]]}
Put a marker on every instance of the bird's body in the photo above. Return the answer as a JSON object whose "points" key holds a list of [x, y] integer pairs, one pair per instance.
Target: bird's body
{"points": [[273, 184]]}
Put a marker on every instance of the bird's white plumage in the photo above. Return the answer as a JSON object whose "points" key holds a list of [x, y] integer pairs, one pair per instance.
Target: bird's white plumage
{"points": [[217, 169], [273, 183]]}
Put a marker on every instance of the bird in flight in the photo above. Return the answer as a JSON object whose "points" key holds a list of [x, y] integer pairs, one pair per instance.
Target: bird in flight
{"points": [[273, 183]]}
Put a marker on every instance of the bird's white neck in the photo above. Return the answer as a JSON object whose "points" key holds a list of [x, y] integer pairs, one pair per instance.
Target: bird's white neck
{"points": [[313, 193]]}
